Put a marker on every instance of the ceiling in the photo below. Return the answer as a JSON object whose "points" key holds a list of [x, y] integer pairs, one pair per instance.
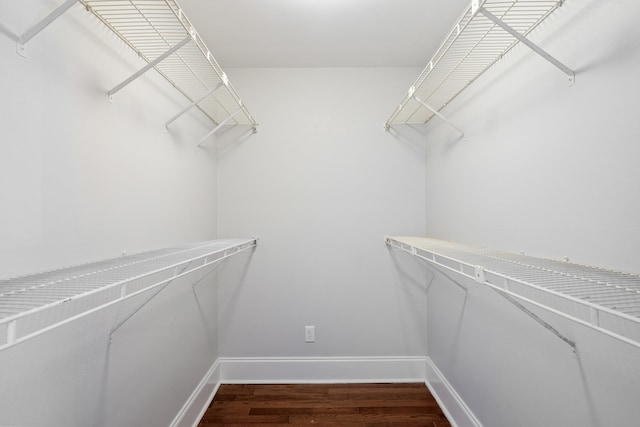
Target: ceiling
{"points": [[323, 33]]}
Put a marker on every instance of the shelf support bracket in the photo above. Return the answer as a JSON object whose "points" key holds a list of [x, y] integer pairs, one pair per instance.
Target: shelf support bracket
{"points": [[569, 72], [437, 113], [537, 318], [149, 66], [44, 22], [222, 123], [144, 303], [190, 106]]}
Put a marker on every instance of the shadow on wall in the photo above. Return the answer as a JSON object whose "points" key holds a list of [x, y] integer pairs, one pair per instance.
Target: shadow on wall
{"points": [[411, 288], [231, 277], [4, 30]]}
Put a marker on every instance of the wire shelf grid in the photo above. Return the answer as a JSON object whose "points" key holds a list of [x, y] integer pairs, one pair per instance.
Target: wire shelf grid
{"points": [[151, 28], [605, 300], [472, 46], [32, 304]]}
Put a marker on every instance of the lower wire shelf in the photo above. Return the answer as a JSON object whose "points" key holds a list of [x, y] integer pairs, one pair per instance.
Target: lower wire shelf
{"points": [[604, 300], [33, 304]]}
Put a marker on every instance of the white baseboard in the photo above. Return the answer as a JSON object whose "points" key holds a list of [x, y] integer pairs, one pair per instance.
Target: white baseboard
{"points": [[194, 408], [321, 370], [456, 411]]}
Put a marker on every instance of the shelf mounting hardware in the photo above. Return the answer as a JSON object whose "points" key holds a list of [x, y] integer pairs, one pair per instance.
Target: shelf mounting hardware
{"points": [[481, 277], [569, 72], [34, 30], [434, 111], [190, 106], [149, 66], [222, 123], [538, 319]]}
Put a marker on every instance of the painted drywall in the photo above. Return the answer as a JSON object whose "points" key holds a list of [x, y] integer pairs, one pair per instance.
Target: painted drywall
{"points": [[81, 178], [547, 168], [84, 179], [320, 184]]}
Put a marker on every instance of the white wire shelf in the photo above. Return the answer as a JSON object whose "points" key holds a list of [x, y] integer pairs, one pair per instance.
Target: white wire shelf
{"points": [[160, 33], [33, 304], [479, 39], [604, 300]]}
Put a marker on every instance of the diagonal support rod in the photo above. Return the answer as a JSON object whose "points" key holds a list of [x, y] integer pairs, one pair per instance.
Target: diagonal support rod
{"points": [[437, 113], [535, 317], [149, 66], [190, 106], [44, 22], [569, 72], [222, 123]]}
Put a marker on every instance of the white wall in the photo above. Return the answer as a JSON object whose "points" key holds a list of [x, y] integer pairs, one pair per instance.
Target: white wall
{"points": [[84, 179], [321, 183], [550, 170], [81, 178]]}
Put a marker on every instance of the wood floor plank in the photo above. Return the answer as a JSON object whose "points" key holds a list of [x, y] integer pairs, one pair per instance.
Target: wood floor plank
{"points": [[334, 405]]}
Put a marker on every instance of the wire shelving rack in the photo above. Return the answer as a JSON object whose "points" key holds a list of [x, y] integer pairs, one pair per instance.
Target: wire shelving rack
{"points": [[485, 32], [33, 304], [160, 33], [604, 300]]}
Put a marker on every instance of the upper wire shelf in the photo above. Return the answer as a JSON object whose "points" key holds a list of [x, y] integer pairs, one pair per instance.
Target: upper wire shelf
{"points": [[160, 33], [604, 300], [151, 28], [485, 32], [33, 304]]}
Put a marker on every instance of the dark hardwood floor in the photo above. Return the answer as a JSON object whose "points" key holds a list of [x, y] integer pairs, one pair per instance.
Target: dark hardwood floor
{"points": [[354, 405]]}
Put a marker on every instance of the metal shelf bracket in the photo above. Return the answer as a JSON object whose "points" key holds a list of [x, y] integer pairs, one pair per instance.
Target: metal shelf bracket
{"points": [[190, 106], [21, 49], [434, 111], [222, 123], [149, 66], [569, 72], [538, 319]]}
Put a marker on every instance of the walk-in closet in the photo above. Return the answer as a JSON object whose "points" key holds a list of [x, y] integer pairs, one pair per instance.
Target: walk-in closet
{"points": [[354, 212]]}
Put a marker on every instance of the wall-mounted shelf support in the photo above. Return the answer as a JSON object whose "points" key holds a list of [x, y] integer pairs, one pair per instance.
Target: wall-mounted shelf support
{"points": [[178, 273], [537, 49], [191, 105], [437, 113], [538, 319], [222, 123], [149, 66], [34, 30]]}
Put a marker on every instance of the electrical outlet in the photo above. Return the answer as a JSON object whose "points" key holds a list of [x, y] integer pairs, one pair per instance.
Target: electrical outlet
{"points": [[309, 334]]}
